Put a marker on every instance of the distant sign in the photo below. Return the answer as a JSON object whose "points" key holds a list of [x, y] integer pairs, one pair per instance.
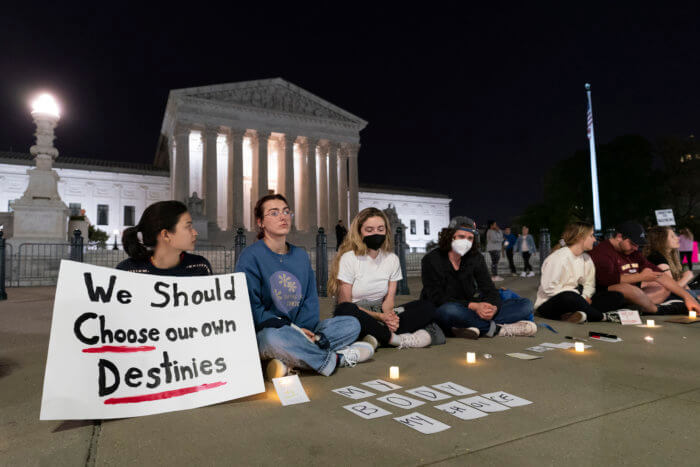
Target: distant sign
{"points": [[665, 217]]}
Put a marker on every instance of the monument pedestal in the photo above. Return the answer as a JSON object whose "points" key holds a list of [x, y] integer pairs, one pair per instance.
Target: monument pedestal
{"points": [[40, 221]]}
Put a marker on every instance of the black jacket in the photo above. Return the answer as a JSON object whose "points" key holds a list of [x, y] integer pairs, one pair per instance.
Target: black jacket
{"points": [[471, 283]]}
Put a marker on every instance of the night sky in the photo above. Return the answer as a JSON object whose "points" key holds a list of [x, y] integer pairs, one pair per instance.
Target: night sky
{"points": [[474, 103]]}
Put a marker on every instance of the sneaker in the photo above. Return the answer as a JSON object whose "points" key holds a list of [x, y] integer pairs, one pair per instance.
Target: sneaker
{"points": [[531, 274], [276, 369], [520, 328], [466, 333], [371, 340], [437, 337], [612, 316], [672, 307], [673, 300], [578, 317], [497, 278], [415, 340], [358, 352], [523, 274]]}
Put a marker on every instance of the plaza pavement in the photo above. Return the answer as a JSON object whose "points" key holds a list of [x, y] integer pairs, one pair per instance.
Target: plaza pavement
{"points": [[629, 403]]}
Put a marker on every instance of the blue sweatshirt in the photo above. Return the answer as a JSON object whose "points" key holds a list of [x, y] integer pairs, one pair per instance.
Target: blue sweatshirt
{"points": [[511, 239], [282, 288]]}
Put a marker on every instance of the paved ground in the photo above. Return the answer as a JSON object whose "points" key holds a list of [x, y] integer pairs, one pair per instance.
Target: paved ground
{"points": [[630, 403]]}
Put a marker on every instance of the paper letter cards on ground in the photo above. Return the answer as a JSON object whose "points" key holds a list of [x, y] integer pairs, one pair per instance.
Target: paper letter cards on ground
{"points": [[125, 344]]}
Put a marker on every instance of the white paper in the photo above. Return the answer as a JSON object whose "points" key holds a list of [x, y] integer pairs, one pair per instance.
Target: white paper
{"points": [[422, 423], [353, 392], [561, 345], [454, 389], [424, 392], [504, 398], [484, 404], [398, 400], [366, 410], [290, 390], [540, 348], [460, 410], [209, 332], [629, 317], [381, 385], [523, 356]]}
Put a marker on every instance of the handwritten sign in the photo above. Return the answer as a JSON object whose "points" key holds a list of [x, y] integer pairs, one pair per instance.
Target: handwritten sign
{"points": [[507, 399], [381, 385], [125, 344], [461, 410], [629, 317], [398, 400], [454, 388], [366, 410], [422, 423], [665, 217], [290, 390], [353, 392], [427, 393]]}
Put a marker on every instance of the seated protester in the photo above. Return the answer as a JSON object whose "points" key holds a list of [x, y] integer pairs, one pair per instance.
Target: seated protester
{"points": [[568, 278], [284, 302], [457, 281], [662, 250], [620, 267], [158, 244], [525, 245], [363, 278]]}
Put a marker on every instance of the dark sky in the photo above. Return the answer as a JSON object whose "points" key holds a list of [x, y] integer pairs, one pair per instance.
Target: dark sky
{"points": [[475, 103]]}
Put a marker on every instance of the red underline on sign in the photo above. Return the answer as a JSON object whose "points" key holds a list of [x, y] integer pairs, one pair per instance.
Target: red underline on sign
{"points": [[119, 349], [163, 395]]}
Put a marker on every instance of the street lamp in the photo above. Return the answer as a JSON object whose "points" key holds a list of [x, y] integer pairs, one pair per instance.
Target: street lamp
{"points": [[116, 234]]}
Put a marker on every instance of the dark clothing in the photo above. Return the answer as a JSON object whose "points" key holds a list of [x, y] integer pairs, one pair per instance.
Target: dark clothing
{"points": [[610, 265], [495, 257], [607, 300], [511, 239], [657, 258], [526, 261], [190, 265], [511, 264], [340, 233], [416, 315], [688, 255], [568, 302], [442, 284]]}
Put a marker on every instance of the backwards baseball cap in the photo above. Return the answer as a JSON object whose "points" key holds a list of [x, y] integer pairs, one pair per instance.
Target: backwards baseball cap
{"points": [[634, 231], [459, 221]]}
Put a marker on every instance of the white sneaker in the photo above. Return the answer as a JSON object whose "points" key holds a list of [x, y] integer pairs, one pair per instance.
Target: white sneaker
{"points": [[520, 328], [497, 278], [530, 274], [371, 340], [420, 338], [523, 274], [578, 317], [276, 369], [358, 352]]}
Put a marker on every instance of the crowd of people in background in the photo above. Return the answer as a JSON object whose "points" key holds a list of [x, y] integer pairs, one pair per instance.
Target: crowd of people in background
{"points": [[582, 280]]}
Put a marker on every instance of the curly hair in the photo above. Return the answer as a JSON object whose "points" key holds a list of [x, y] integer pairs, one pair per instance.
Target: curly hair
{"points": [[658, 242]]}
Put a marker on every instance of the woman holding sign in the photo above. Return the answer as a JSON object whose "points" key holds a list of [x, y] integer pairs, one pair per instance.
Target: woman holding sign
{"points": [[158, 244], [363, 277], [284, 302]]}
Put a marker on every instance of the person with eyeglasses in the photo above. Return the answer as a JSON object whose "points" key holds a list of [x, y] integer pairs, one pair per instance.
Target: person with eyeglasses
{"points": [[284, 302]]}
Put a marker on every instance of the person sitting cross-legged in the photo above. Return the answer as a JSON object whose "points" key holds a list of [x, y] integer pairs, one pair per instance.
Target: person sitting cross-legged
{"points": [[457, 281]]}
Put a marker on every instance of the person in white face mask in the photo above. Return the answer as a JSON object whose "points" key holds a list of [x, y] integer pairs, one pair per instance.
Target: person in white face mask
{"points": [[457, 281]]}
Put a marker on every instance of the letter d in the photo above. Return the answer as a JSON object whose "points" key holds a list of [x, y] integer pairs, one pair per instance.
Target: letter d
{"points": [[102, 364]]}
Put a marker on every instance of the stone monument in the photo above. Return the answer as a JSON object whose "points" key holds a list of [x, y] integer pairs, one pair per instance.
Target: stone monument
{"points": [[199, 220], [39, 215]]}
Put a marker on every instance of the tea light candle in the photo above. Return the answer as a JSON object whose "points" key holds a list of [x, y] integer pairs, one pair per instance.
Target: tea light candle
{"points": [[649, 339], [650, 323], [692, 314], [393, 372], [578, 346], [471, 357]]}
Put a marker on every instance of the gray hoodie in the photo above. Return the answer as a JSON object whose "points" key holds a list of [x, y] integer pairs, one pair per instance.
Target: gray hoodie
{"points": [[494, 240]]}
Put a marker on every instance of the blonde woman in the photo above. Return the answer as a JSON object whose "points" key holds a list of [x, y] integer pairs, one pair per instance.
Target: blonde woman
{"points": [[363, 278], [568, 279]]}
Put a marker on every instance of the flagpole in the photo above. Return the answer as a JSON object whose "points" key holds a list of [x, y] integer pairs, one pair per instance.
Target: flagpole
{"points": [[594, 164]]}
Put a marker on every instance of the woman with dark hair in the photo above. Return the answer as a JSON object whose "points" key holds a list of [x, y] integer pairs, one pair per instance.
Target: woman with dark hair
{"points": [[158, 244], [662, 250], [284, 302], [457, 281]]}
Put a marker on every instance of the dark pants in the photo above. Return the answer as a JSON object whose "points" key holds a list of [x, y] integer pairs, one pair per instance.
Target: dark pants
{"points": [[495, 256], [511, 264], [416, 315], [456, 315], [526, 260], [568, 302], [688, 255], [607, 300]]}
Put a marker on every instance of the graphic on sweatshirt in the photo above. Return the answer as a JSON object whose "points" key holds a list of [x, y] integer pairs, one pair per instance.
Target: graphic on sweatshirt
{"points": [[286, 290]]}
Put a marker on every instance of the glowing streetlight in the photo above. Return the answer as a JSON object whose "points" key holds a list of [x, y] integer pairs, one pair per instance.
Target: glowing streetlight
{"points": [[45, 104]]}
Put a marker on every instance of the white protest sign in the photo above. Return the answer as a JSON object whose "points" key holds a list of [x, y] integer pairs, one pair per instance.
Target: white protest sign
{"points": [[427, 393], [483, 404], [665, 217], [381, 385], [420, 422], [366, 410], [125, 344], [629, 317], [290, 390], [507, 399], [454, 388], [352, 392], [398, 400], [461, 410]]}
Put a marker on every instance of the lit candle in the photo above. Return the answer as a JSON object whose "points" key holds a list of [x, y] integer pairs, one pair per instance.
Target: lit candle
{"points": [[650, 323], [471, 357], [649, 339], [393, 372], [692, 314], [578, 346]]}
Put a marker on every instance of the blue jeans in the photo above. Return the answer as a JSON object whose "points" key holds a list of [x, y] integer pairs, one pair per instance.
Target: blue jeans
{"points": [[455, 315], [295, 351]]}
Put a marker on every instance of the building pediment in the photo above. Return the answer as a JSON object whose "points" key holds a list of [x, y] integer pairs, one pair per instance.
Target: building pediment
{"points": [[272, 95]]}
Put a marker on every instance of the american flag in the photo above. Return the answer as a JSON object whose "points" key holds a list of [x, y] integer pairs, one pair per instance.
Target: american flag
{"points": [[589, 117]]}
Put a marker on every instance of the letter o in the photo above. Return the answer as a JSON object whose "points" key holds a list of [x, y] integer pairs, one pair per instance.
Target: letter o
{"points": [[171, 334], [119, 335], [206, 329]]}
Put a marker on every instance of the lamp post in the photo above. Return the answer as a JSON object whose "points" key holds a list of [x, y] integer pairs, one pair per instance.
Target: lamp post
{"points": [[116, 234]]}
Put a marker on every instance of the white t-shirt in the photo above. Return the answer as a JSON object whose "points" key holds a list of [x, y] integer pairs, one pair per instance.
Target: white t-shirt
{"points": [[369, 277]]}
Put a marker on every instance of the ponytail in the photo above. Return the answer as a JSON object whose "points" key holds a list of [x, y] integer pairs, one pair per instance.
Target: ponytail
{"points": [[140, 241]]}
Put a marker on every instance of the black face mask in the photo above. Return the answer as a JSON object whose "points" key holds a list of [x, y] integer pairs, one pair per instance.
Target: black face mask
{"points": [[375, 241]]}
